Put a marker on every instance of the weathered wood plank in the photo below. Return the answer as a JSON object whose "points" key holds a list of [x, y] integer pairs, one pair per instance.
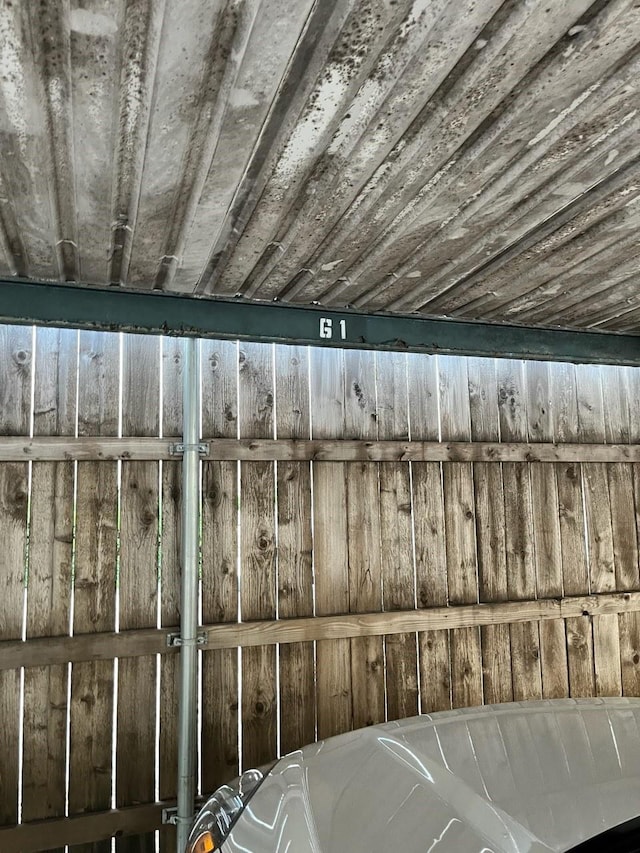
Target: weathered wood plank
{"points": [[128, 448], [460, 532], [136, 643], [363, 532], [575, 570], [345, 450], [606, 654], [15, 405], [521, 571], [629, 624], [171, 502], [88, 832], [580, 656], [220, 748], [257, 554], [295, 573], [92, 682], [397, 557], [49, 583], [602, 569], [428, 531], [546, 531], [617, 385], [331, 561], [594, 477], [138, 584], [490, 527], [630, 653]]}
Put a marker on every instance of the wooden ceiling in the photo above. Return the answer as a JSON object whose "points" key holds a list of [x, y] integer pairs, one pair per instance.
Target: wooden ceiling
{"points": [[464, 158]]}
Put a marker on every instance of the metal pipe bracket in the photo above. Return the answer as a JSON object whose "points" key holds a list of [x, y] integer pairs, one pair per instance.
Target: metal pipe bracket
{"points": [[175, 639], [178, 448]]}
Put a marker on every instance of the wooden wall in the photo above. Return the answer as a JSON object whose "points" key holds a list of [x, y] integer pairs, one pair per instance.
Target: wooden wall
{"points": [[495, 576]]}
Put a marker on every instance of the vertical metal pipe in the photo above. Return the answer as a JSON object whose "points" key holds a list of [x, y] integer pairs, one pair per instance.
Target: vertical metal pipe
{"points": [[187, 701]]}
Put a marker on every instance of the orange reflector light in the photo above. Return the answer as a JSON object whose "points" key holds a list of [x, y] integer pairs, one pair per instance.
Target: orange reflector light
{"points": [[203, 844]]}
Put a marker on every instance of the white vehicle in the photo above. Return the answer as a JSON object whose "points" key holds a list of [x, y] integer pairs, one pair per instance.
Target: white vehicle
{"points": [[516, 778]]}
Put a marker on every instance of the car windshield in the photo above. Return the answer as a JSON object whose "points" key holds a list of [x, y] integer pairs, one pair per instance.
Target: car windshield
{"points": [[624, 838]]}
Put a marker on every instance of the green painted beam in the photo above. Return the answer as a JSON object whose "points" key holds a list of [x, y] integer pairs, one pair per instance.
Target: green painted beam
{"points": [[42, 303]]}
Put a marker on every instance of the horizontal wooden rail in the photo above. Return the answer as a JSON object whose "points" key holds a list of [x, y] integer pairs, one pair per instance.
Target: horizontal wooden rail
{"points": [[20, 449], [48, 834], [60, 449], [417, 451], [44, 651]]}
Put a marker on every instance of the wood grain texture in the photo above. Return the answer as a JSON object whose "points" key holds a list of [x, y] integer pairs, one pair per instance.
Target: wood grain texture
{"points": [[580, 657], [521, 572], [86, 448], [594, 477], [620, 395], [429, 533], [575, 570], [633, 400], [622, 423], [15, 404], [172, 350], [331, 561], [295, 570], [521, 580], [83, 832], [136, 643], [50, 578], [258, 577], [220, 748], [592, 403], [460, 531], [138, 584], [363, 532], [606, 653], [92, 683], [629, 624], [546, 530], [490, 530], [397, 556]]}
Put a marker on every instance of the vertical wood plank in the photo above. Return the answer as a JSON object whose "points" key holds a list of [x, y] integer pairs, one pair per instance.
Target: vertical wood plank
{"points": [[546, 531], [617, 393], [138, 584], [397, 559], [630, 653], [170, 563], [459, 507], [591, 428], [575, 572], [606, 656], [521, 573], [92, 683], [333, 657], [49, 583], [15, 405], [633, 390], [594, 479], [428, 531], [363, 525], [295, 571], [220, 748], [629, 623], [258, 557], [490, 527]]}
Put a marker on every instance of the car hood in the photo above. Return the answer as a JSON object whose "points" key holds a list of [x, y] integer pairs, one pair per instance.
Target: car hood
{"points": [[514, 778]]}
